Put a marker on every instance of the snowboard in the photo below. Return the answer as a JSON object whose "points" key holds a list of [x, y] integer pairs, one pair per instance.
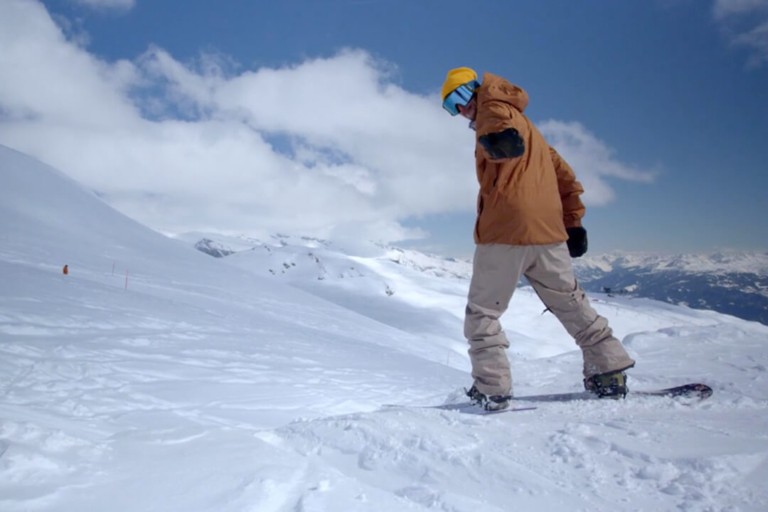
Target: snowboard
{"points": [[691, 390], [464, 408]]}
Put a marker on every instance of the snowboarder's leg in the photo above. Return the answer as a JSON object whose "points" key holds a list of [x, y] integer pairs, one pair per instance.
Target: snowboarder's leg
{"points": [[552, 277], [496, 272]]}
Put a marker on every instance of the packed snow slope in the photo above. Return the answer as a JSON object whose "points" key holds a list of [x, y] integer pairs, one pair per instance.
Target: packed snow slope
{"points": [[207, 386]]}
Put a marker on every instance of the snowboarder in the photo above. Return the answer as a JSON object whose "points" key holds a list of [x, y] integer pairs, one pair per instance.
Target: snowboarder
{"points": [[528, 224]]}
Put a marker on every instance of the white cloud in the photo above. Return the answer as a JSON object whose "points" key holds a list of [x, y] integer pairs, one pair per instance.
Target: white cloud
{"points": [[757, 39], [745, 23], [596, 161], [324, 146], [724, 8], [73, 30], [108, 4]]}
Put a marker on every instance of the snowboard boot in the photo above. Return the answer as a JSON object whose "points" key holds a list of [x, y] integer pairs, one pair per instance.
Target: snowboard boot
{"points": [[489, 403], [608, 385]]}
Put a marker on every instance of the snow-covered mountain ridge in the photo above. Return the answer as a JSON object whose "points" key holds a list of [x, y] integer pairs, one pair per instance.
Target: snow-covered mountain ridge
{"points": [[219, 245], [734, 283], [731, 262]]}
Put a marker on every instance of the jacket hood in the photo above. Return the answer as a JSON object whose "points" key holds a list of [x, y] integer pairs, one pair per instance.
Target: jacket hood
{"points": [[495, 88]]}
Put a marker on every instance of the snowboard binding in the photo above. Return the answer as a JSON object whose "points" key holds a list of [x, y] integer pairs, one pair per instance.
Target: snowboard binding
{"points": [[608, 385], [489, 403]]}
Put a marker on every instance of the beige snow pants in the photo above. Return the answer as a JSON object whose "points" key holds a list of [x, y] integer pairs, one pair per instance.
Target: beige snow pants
{"points": [[497, 270]]}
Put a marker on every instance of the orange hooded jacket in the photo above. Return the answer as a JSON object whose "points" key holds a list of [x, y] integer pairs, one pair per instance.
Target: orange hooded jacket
{"points": [[528, 200]]}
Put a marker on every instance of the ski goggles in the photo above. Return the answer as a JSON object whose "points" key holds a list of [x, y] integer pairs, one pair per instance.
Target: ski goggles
{"points": [[460, 96]]}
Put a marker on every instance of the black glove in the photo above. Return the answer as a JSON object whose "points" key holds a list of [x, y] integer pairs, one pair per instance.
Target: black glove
{"points": [[577, 241], [505, 144]]}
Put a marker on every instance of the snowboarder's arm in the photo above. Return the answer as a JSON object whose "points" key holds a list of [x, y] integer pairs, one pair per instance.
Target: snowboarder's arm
{"points": [[499, 135], [570, 190]]}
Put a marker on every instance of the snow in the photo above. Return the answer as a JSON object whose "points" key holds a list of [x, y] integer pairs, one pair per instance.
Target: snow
{"points": [[216, 385]]}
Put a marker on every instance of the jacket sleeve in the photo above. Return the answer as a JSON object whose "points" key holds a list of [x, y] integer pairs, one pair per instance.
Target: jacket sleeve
{"points": [[500, 133], [570, 190]]}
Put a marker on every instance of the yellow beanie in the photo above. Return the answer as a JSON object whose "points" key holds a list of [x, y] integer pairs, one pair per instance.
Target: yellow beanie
{"points": [[456, 78]]}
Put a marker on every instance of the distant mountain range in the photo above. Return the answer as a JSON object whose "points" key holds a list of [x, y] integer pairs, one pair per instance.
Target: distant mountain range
{"points": [[731, 283]]}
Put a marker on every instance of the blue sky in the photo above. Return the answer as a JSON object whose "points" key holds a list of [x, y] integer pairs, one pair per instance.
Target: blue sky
{"points": [[675, 90]]}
